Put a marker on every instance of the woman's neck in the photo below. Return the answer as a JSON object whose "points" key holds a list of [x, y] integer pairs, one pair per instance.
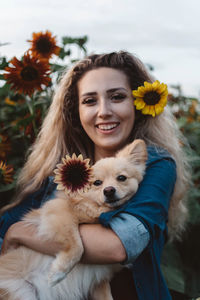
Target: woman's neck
{"points": [[101, 153]]}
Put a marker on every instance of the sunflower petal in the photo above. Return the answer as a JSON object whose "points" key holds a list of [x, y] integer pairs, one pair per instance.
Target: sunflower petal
{"points": [[145, 110], [155, 85], [163, 101], [148, 86], [139, 104], [138, 93], [80, 157], [159, 109], [60, 187]]}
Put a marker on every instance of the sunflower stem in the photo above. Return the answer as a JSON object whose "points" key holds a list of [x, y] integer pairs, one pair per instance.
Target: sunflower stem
{"points": [[30, 104]]}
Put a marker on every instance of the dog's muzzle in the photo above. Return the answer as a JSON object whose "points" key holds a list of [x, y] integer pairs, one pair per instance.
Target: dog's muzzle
{"points": [[110, 195]]}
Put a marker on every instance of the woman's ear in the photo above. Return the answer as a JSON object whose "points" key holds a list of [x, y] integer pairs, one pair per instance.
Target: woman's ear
{"points": [[137, 151]]}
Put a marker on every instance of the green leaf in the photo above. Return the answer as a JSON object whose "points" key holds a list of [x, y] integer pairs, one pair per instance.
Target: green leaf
{"points": [[3, 63], [2, 77], [64, 53], [7, 187], [56, 67]]}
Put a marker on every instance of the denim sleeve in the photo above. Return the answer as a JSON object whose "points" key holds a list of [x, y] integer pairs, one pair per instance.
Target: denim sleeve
{"points": [[1, 242], [132, 233], [151, 202], [32, 201]]}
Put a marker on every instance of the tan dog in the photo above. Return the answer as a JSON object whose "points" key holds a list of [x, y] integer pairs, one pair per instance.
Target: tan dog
{"points": [[26, 274]]}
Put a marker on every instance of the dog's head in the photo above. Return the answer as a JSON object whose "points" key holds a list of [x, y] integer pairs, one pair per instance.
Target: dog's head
{"points": [[116, 179]]}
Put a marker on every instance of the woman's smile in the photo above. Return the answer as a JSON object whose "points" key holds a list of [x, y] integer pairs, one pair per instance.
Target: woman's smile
{"points": [[106, 109], [107, 127]]}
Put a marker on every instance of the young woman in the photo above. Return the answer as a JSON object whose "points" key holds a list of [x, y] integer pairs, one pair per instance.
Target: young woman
{"points": [[93, 113]]}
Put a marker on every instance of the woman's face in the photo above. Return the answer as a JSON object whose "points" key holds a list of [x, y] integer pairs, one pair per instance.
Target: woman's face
{"points": [[106, 109]]}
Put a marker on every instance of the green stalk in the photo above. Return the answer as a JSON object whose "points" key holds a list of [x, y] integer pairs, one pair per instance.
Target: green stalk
{"points": [[31, 108]]}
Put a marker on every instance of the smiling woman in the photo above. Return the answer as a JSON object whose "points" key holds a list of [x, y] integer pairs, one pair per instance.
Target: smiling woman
{"points": [[93, 113]]}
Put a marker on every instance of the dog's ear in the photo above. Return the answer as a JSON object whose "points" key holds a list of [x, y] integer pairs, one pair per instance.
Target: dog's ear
{"points": [[137, 151]]}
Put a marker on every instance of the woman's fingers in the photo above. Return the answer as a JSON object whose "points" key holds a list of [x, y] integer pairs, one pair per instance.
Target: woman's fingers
{"points": [[10, 241]]}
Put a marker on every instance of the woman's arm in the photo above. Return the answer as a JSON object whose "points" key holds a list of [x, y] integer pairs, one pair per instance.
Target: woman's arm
{"points": [[101, 245]]}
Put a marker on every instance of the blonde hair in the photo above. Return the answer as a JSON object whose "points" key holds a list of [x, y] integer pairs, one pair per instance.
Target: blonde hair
{"points": [[63, 134]]}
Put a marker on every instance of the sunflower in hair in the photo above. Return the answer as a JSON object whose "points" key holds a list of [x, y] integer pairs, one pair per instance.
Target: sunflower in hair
{"points": [[28, 75], [73, 175], [151, 98], [44, 45]]}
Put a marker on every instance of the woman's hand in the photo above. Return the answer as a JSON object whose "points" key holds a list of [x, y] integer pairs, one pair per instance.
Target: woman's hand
{"points": [[20, 234]]}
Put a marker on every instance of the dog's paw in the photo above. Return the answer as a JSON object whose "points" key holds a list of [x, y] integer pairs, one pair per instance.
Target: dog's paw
{"points": [[55, 278]]}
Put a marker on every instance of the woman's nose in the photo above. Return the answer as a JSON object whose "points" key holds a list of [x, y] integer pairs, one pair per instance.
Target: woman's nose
{"points": [[104, 108]]}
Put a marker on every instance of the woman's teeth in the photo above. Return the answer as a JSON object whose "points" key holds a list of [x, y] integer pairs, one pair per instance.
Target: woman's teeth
{"points": [[107, 127]]}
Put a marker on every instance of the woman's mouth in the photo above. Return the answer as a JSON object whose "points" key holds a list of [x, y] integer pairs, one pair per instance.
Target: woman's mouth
{"points": [[107, 127]]}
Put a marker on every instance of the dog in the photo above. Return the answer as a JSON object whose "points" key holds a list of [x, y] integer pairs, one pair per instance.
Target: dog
{"points": [[27, 274]]}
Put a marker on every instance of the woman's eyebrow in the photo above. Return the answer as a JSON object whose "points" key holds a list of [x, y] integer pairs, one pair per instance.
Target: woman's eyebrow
{"points": [[88, 94], [116, 89], [108, 91]]}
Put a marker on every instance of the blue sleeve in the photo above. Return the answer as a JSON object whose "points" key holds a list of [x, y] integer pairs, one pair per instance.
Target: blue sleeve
{"points": [[126, 226], [151, 202], [34, 200]]}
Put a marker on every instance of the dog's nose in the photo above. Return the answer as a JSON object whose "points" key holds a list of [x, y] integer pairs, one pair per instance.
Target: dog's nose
{"points": [[109, 191]]}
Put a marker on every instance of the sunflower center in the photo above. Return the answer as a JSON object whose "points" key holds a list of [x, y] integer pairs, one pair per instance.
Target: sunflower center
{"points": [[43, 45], [29, 73], [151, 98], [75, 175]]}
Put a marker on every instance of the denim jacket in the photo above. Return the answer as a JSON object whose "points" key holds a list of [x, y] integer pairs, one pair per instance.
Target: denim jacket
{"points": [[144, 215], [150, 206]]}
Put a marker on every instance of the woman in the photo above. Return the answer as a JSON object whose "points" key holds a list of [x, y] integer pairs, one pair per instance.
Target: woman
{"points": [[93, 113]]}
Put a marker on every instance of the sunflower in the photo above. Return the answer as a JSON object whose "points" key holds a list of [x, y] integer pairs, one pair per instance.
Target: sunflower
{"points": [[28, 75], [5, 146], [151, 98], [44, 45], [74, 174], [6, 172]]}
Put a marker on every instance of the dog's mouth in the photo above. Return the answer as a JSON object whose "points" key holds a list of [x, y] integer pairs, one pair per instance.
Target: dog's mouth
{"points": [[113, 201]]}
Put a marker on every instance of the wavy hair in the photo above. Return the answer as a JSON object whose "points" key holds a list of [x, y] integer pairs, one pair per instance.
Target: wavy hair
{"points": [[63, 134]]}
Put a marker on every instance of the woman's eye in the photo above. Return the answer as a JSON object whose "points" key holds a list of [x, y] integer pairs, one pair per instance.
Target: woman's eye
{"points": [[118, 97], [121, 178], [89, 101], [97, 182]]}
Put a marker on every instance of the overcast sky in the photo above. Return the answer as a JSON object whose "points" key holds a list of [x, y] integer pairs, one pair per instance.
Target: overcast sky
{"points": [[165, 34]]}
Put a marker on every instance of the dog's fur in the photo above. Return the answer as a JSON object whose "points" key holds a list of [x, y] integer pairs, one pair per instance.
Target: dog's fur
{"points": [[27, 274]]}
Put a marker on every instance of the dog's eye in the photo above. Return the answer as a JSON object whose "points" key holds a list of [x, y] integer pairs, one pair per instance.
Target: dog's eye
{"points": [[97, 182], [121, 178]]}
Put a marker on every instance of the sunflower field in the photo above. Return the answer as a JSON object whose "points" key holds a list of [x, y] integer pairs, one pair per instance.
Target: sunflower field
{"points": [[26, 89]]}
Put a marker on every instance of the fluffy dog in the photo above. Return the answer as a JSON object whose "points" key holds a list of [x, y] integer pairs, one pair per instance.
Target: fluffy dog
{"points": [[27, 274]]}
